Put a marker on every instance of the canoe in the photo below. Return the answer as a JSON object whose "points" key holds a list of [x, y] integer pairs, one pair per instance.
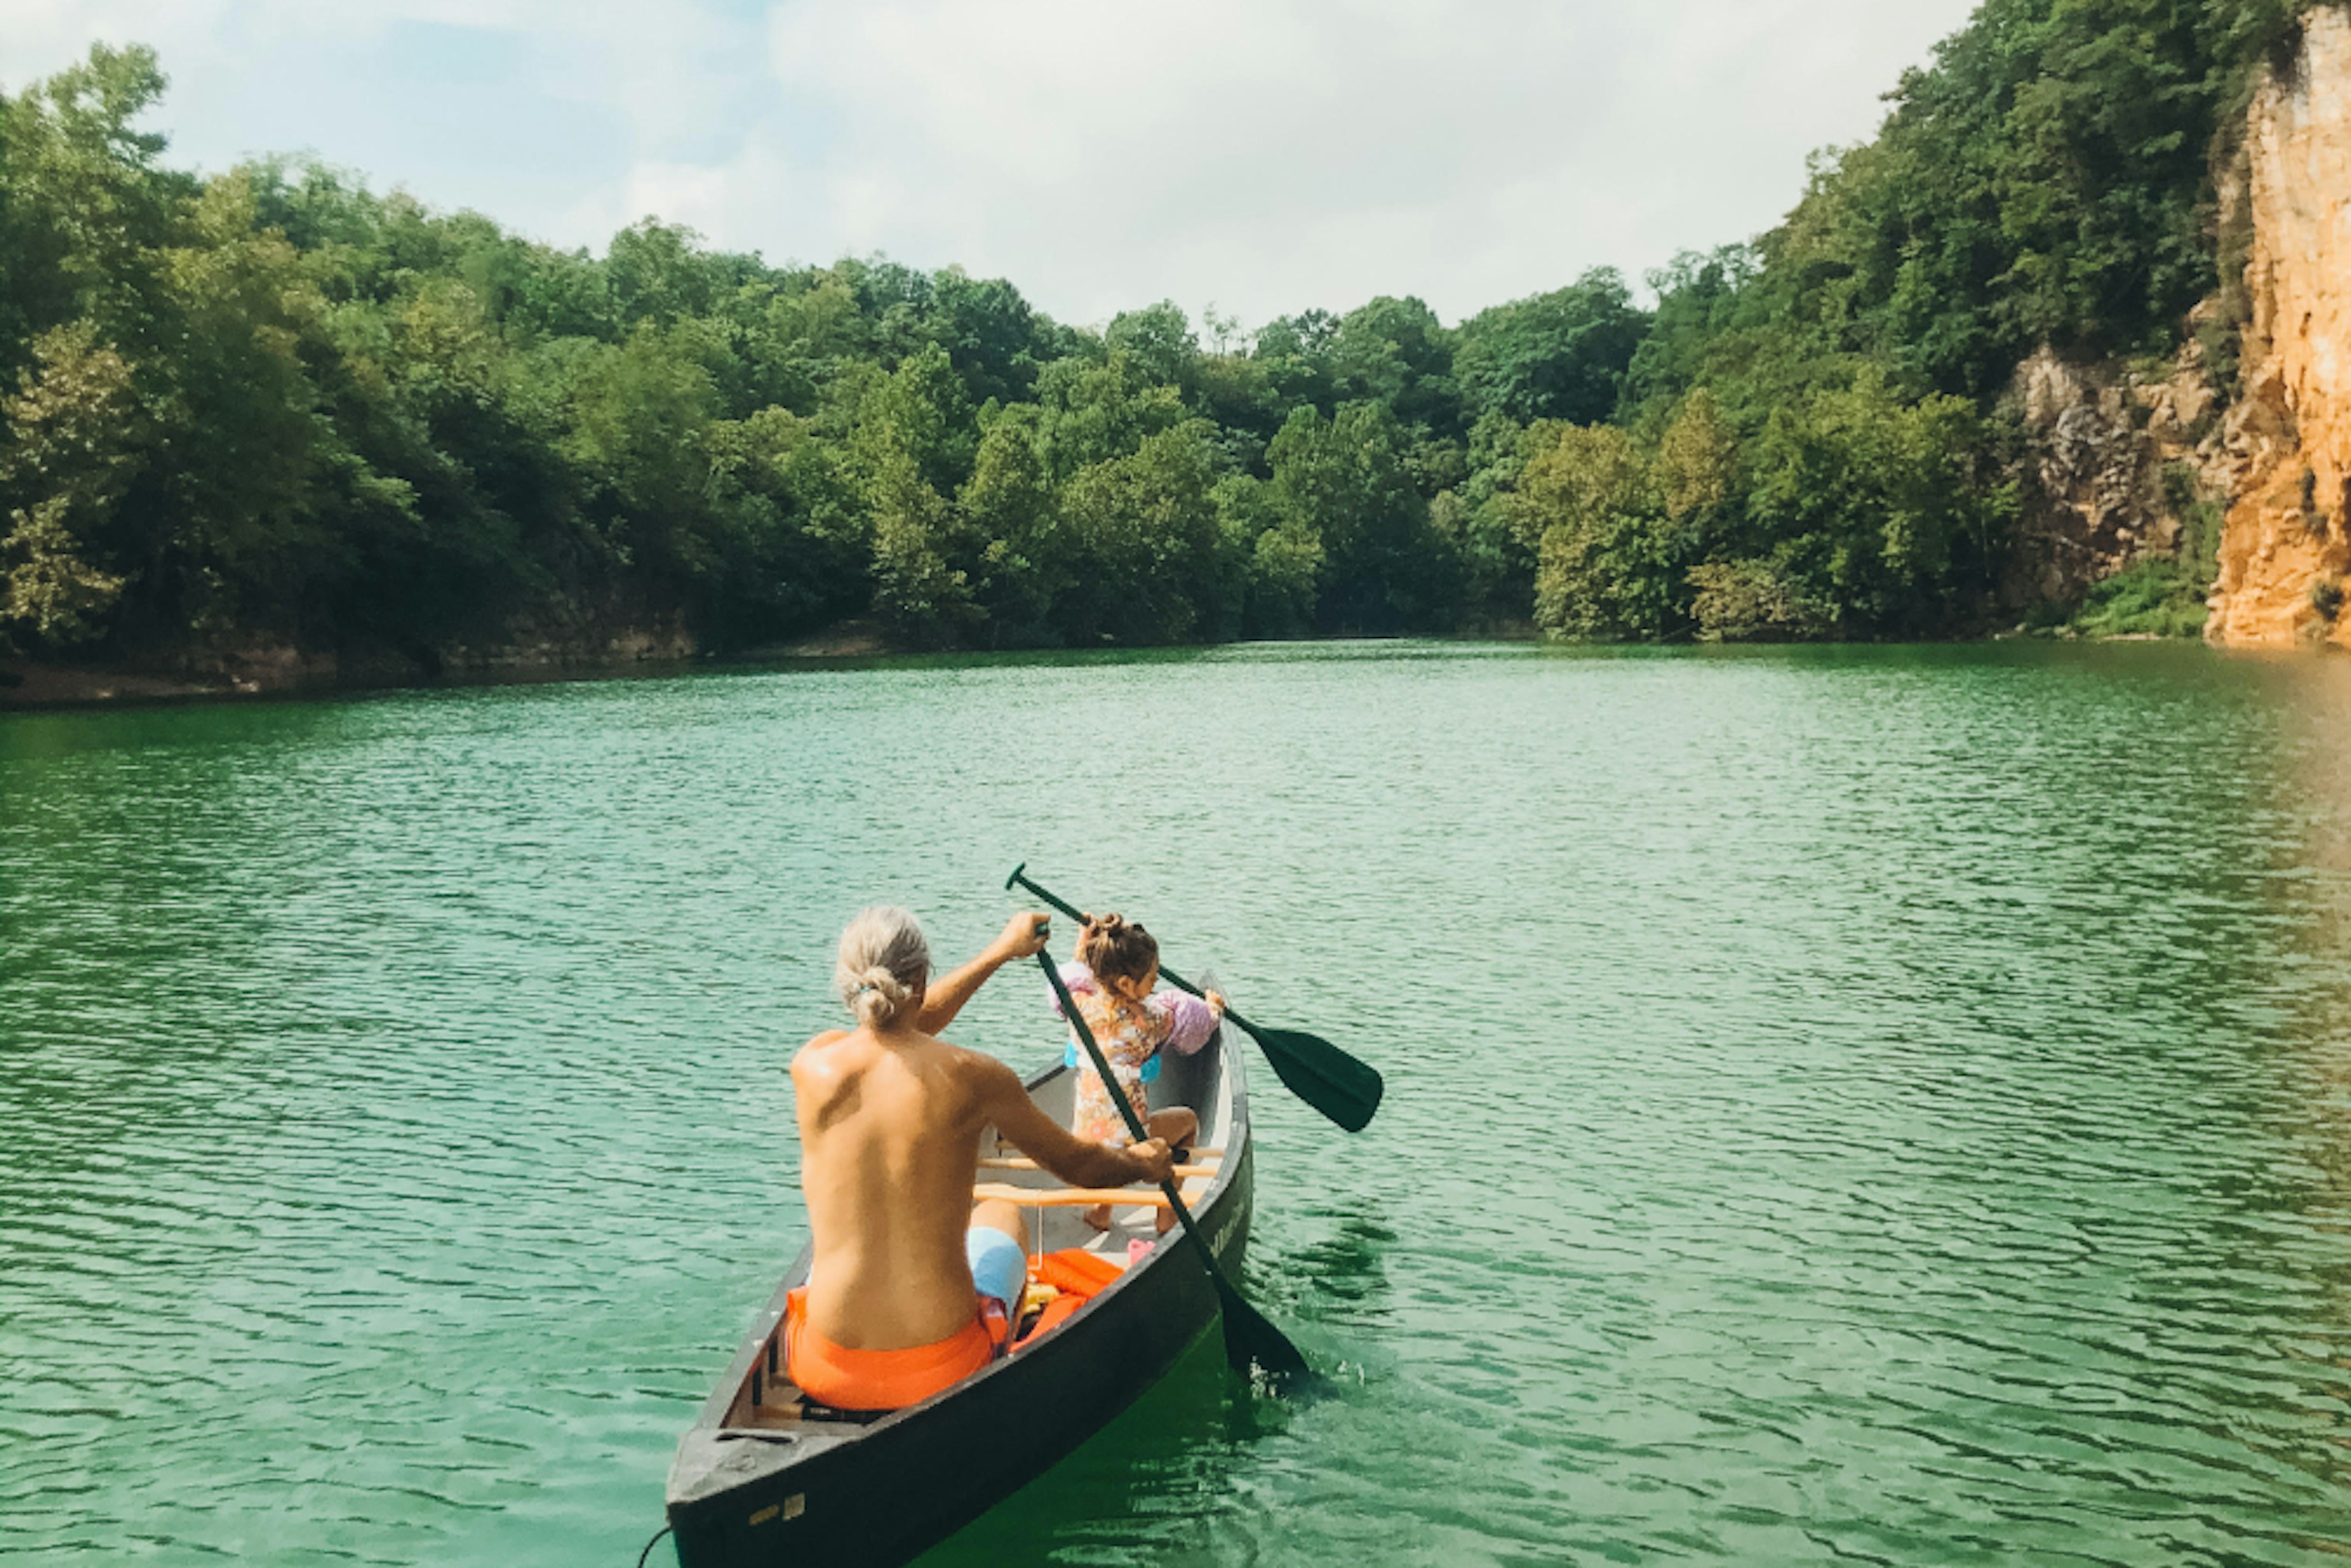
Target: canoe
{"points": [[765, 1476]]}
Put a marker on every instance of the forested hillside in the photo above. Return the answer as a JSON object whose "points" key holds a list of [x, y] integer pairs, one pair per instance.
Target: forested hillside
{"points": [[274, 406]]}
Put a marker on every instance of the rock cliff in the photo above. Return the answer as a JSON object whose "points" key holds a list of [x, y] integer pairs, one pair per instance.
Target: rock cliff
{"points": [[2120, 466], [2284, 453], [2250, 489]]}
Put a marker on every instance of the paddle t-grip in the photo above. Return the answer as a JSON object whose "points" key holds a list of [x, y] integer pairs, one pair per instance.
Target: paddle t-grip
{"points": [[1017, 880]]}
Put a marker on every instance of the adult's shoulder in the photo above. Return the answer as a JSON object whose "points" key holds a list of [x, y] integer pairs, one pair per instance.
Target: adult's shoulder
{"points": [[984, 1072], [813, 1056]]}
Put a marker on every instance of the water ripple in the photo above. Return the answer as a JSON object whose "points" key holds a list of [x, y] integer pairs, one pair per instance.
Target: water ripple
{"points": [[1886, 1105]]}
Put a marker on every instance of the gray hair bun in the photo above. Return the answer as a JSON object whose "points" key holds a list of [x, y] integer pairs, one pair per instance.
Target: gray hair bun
{"points": [[884, 961]]}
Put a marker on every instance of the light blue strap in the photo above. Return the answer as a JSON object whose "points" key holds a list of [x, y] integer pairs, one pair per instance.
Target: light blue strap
{"points": [[1150, 1073]]}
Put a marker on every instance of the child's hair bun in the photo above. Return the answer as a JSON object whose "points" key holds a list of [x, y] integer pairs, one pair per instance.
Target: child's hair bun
{"points": [[1115, 948]]}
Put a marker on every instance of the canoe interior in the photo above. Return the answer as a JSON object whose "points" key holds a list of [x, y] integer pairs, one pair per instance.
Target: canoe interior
{"points": [[763, 1397], [766, 1477]]}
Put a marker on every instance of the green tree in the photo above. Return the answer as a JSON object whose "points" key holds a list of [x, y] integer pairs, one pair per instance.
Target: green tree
{"points": [[1158, 341], [252, 495], [640, 417], [74, 447], [84, 209], [1150, 562], [1881, 509], [1345, 485], [1009, 504], [1560, 355], [1610, 563], [790, 533], [1093, 412], [912, 447], [990, 333], [656, 273], [1395, 352], [1278, 560]]}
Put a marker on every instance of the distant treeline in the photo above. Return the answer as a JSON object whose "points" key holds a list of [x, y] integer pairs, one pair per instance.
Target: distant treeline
{"points": [[273, 404]]}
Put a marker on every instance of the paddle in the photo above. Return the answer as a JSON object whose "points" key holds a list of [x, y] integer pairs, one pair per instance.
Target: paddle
{"points": [[1251, 1341], [1341, 1088]]}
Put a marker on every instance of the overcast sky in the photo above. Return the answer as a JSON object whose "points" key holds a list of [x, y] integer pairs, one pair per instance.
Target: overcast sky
{"points": [[1259, 155]]}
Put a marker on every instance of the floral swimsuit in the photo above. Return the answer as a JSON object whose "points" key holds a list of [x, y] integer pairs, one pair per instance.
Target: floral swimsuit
{"points": [[1131, 1035]]}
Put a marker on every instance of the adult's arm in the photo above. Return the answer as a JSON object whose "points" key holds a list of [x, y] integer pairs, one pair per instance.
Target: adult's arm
{"points": [[1023, 935], [1080, 1162]]}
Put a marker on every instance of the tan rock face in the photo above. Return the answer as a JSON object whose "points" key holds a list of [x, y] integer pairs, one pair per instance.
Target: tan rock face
{"points": [[2287, 543]]}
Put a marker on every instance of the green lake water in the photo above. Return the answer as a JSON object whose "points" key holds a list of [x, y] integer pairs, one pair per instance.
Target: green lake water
{"points": [[1882, 1105]]}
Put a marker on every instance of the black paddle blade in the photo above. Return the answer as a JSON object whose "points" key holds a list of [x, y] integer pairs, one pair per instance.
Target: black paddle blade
{"points": [[1253, 1346], [1335, 1084]]}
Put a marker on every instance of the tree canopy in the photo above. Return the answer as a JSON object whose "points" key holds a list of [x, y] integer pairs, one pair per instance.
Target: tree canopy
{"points": [[273, 403]]}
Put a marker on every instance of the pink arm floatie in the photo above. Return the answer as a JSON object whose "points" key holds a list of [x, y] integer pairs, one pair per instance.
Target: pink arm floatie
{"points": [[1078, 978], [1190, 1021]]}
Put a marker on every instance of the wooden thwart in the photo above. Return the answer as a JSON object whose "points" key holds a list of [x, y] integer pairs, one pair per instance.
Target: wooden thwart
{"points": [[1183, 1173], [1067, 1196]]}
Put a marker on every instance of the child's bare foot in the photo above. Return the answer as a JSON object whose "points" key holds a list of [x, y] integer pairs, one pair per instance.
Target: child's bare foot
{"points": [[1098, 1217], [1167, 1221]]}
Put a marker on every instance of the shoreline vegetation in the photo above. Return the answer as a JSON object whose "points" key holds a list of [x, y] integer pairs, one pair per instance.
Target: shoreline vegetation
{"points": [[279, 673], [269, 426], [27, 686]]}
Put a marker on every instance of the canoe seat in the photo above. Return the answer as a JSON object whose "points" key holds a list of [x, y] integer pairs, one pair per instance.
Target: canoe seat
{"points": [[1183, 1172], [1079, 1196]]}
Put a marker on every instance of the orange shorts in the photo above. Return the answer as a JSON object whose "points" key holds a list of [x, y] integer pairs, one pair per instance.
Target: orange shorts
{"points": [[849, 1379]]}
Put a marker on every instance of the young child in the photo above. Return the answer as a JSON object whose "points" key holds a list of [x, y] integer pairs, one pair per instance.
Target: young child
{"points": [[1111, 981]]}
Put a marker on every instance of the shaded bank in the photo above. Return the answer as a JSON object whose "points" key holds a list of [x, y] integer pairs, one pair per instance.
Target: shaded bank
{"points": [[283, 671]]}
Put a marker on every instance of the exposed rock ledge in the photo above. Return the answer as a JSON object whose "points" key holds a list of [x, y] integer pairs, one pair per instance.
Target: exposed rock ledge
{"points": [[2102, 441]]}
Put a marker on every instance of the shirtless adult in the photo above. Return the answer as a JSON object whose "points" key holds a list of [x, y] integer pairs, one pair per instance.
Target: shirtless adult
{"points": [[912, 1286]]}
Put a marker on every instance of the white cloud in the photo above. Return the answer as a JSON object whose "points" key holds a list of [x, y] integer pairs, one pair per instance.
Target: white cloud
{"points": [[1263, 154], [1270, 154]]}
